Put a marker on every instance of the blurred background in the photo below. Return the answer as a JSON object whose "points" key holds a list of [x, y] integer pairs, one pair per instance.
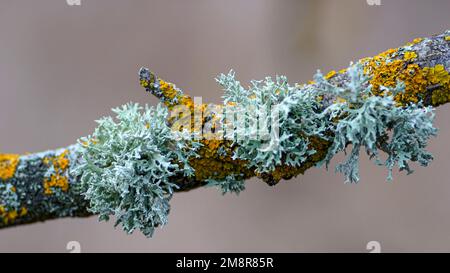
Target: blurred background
{"points": [[62, 67]]}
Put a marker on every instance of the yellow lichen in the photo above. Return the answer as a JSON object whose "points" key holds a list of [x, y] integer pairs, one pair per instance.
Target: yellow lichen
{"points": [[7, 216], [330, 74], [143, 83], [343, 71], [415, 41], [8, 165], [23, 211], [167, 89], [410, 56], [170, 94], [211, 164], [447, 38], [55, 181], [387, 69], [60, 164], [440, 78]]}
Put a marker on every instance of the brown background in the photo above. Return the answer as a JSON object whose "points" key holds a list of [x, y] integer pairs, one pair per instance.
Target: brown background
{"points": [[62, 67]]}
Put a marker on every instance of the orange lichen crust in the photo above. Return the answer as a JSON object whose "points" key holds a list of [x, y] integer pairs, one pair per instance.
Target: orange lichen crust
{"points": [[430, 85], [9, 216], [214, 165], [330, 74], [58, 179], [8, 165], [55, 181], [167, 92]]}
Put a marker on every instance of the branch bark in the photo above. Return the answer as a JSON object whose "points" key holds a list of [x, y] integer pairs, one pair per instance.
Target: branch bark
{"points": [[40, 187]]}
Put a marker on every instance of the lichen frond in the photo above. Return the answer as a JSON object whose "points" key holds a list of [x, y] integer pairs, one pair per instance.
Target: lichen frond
{"points": [[128, 165], [230, 184], [273, 121], [365, 120]]}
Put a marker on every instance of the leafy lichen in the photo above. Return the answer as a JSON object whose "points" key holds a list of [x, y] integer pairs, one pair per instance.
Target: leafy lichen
{"points": [[350, 114], [230, 184], [128, 165], [271, 122], [365, 120]]}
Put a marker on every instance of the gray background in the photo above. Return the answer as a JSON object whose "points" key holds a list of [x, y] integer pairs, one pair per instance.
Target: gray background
{"points": [[62, 67]]}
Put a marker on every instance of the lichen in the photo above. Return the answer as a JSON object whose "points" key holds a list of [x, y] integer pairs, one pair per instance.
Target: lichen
{"points": [[216, 161], [130, 166], [9, 203], [127, 171], [394, 65], [8, 165], [41, 188], [230, 184], [275, 122], [57, 173], [167, 92], [364, 120], [410, 56]]}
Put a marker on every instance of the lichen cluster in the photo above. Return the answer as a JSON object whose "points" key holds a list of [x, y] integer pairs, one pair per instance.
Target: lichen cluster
{"points": [[128, 164], [230, 184], [353, 113], [271, 122], [10, 206], [271, 129], [365, 120]]}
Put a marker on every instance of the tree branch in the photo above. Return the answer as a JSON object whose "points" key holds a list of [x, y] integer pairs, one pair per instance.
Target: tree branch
{"points": [[41, 186]]}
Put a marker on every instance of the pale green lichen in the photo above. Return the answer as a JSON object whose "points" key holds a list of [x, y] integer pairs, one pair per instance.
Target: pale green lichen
{"points": [[231, 184], [271, 122], [127, 166], [344, 115], [9, 203], [365, 121], [130, 167]]}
